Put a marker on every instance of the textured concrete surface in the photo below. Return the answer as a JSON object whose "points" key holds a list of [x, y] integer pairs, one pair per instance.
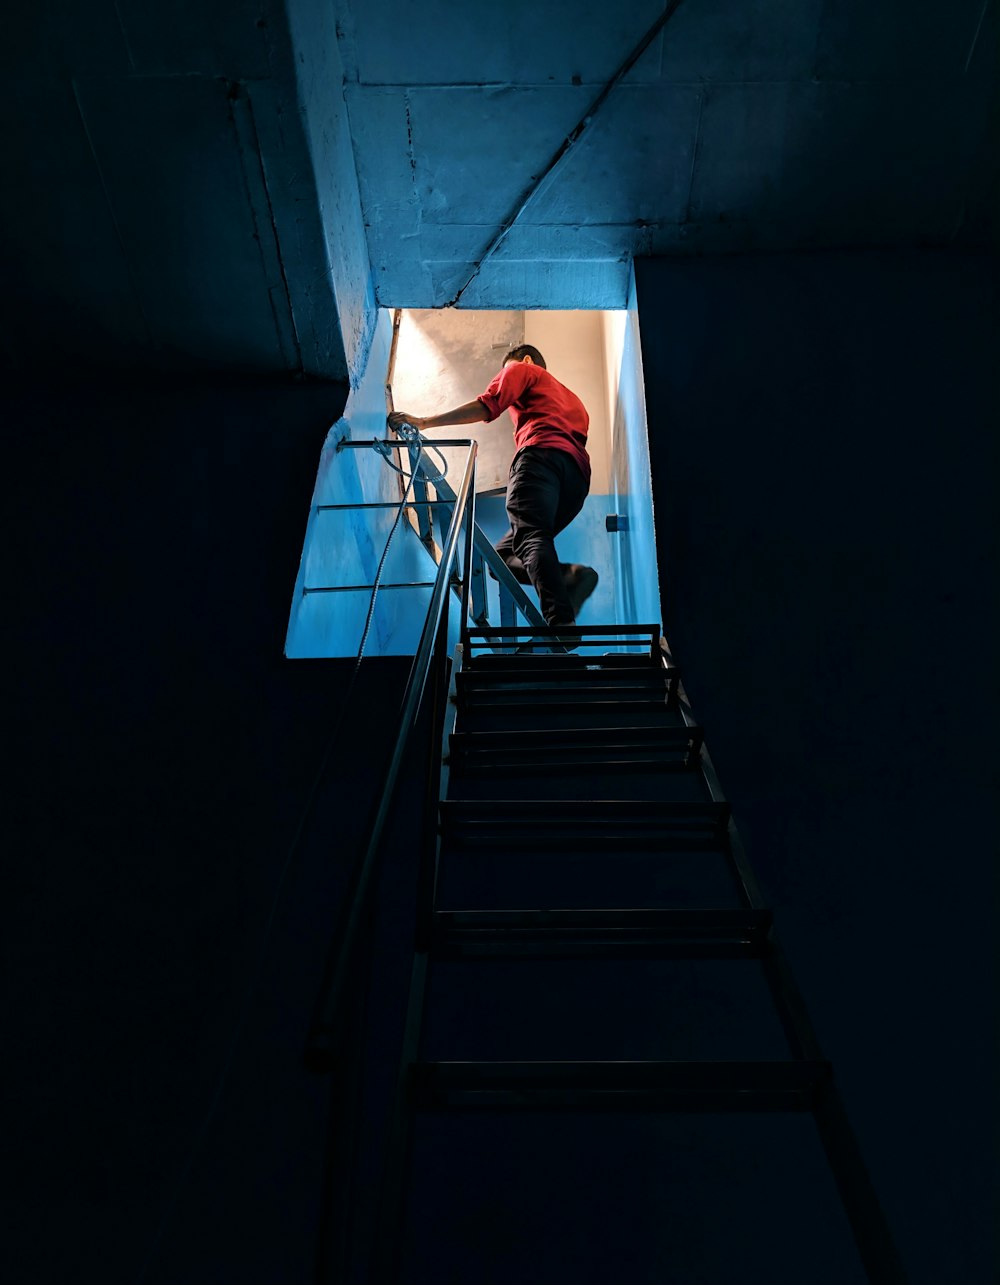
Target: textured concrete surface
{"points": [[237, 185], [783, 125]]}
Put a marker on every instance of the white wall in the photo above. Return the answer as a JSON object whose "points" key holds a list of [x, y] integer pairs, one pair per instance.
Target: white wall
{"points": [[613, 324], [446, 357]]}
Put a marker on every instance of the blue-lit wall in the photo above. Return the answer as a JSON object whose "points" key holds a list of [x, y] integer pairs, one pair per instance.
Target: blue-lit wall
{"points": [[345, 547], [637, 595]]}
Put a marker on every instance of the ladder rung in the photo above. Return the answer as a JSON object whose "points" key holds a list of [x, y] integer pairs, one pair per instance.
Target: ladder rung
{"points": [[637, 934], [620, 843], [549, 663], [636, 634], [552, 697], [552, 750], [586, 825], [620, 1086], [480, 694], [555, 813], [547, 711], [624, 761], [597, 736], [580, 683]]}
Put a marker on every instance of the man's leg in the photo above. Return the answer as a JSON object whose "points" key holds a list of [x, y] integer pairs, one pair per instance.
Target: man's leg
{"points": [[580, 580], [515, 566], [545, 492]]}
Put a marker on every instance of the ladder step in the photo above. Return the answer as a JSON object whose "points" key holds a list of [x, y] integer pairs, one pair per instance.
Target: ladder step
{"points": [[530, 705], [625, 681], [528, 699], [584, 826], [619, 1086], [595, 735], [715, 933], [607, 636], [552, 664], [551, 749], [512, 712]]}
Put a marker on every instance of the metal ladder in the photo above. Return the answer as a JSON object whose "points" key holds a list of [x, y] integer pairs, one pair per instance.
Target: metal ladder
{"points": [[592, 762]]}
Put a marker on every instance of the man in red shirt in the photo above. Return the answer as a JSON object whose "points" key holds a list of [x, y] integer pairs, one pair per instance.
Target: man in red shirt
{"points": [[549, 475]]}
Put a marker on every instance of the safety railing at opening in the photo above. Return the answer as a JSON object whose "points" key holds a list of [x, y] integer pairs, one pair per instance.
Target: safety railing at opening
{"points": [[430, 661]]}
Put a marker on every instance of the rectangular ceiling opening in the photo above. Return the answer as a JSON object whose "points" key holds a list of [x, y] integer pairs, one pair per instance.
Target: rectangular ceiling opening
{"points": [[426, 362]]}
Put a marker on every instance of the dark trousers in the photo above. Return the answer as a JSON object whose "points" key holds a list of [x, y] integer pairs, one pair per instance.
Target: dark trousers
{"points": [[545, 492]]}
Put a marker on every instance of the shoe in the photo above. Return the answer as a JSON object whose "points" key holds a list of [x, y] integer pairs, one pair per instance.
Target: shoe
{"points": [[567, 636], [580, 582]]}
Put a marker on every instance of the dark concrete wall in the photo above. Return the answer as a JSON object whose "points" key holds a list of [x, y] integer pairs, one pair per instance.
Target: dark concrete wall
{"points": [[823, 435], [162, 752], [180, 191]]}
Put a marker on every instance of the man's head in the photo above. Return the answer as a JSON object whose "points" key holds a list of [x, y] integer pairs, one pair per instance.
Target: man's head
{"points": [[528, 353]]}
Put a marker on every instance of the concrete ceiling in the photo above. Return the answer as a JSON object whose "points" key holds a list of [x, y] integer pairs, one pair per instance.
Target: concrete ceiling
{"points": [[181, 181], [764, 124]]}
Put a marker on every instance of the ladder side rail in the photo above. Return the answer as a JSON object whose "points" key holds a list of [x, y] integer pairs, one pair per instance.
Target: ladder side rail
{"points": [[340, 1251], [837, 1137], [422, 512], [857, 1192], [477, 591], [508, 617], [860, 1201], [745, 876]]}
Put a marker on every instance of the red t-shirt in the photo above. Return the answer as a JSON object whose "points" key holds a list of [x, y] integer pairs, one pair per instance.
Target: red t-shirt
{"points": [[545, 412]]}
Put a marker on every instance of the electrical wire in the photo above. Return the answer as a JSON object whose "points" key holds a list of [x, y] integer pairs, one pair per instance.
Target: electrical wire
{"points": [[414, 438], [258, 966]]}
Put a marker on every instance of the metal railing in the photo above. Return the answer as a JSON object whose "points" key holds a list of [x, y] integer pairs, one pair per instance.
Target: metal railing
{"points": [[428, 514], [513, 599], [326, 1034]]}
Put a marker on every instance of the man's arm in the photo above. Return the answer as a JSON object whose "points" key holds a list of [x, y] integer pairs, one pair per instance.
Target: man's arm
{"points": [[471, 413]]}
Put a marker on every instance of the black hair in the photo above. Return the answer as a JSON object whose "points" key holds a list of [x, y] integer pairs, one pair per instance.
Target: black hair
{"points": [[525, 350]]}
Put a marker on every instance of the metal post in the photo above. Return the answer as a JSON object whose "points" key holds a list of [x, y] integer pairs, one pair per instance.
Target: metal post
{"points": [[467, 559]]}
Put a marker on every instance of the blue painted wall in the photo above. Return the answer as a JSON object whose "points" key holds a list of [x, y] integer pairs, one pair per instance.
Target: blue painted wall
{"points": [[637, 595], [323, 119]]}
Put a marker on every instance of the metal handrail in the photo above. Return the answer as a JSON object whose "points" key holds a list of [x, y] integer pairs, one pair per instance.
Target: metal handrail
{"points": [[484, 548], [325, 1033]]}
